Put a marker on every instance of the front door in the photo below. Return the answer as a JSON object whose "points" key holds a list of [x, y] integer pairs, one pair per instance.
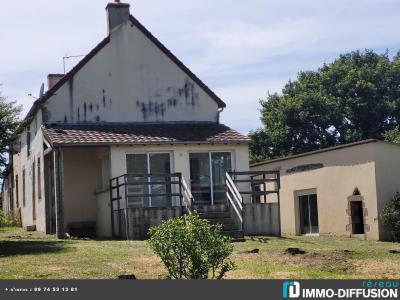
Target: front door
{"points": [[139, 169], [308, 214], [357, 217], [207, 176]]}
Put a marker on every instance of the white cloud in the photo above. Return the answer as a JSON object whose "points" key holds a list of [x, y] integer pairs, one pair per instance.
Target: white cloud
{"points": [[231, 45]]}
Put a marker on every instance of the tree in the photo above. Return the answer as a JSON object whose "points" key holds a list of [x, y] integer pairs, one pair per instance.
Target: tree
{"points": [[354, 98], [391, 217], [393, 135], [192, 248], [9, 121]]}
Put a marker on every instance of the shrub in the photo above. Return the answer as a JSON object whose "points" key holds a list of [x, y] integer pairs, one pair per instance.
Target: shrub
{"points": [[191, 248], [391, 217], [10, 220]]}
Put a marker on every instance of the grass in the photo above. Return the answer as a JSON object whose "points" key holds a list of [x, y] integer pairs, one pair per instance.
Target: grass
{"points": [[32, 255]]}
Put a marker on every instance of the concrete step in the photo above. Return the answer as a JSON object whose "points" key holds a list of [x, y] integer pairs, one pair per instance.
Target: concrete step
{"points": [[210, 208], [234, 234], [215, 215], [230, 226], [221, 221], [220, 214]]}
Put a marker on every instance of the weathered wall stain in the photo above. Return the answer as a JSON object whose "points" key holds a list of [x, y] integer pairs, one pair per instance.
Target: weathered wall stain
{"points": [[171, 97], [154, 108], [85, 111], [45, 114]]}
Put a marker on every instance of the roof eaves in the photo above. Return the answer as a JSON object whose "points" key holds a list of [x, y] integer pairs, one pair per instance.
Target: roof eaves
{"points": [[179, 63], [266, 162], [79, 144]]}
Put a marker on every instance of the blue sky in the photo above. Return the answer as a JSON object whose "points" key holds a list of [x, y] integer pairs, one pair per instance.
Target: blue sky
{"points": [[241, 49]]}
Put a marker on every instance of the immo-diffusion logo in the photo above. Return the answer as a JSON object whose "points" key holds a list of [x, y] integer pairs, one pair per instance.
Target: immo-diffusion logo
{"points": [[290, 289], [372, 289]]}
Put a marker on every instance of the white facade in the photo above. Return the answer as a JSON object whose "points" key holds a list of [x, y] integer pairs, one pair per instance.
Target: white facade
{"points": [[129, 78]]}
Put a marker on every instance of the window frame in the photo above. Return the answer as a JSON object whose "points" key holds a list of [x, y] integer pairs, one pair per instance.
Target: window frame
{"points": [[209, 152]]}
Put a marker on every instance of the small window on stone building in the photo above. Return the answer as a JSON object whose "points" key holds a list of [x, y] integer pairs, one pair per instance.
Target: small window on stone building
{"points": [[356, 192]]}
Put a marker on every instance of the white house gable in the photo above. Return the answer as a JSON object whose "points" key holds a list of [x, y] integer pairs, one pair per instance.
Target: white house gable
{"points": [[132, 79]]}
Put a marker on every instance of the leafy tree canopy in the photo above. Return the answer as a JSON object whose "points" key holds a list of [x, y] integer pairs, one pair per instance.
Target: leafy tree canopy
{"points": [[9, 121], [354, 98]]}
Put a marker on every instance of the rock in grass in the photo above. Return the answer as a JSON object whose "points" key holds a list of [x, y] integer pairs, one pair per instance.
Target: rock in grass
{"points": [[127, 276], [394, 251], [294, 251]]}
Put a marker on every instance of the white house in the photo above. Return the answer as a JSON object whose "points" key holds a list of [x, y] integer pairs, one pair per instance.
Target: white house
{"points": [[129, 107]]}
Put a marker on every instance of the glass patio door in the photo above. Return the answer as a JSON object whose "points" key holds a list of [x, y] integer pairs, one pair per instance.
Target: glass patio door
{"points": [[159, 163], [207, 176], [141, 165], [308, 214]]}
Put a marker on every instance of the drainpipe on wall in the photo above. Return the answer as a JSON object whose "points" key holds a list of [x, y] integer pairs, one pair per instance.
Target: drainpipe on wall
{"points": [[219, 111], [59, 195]]}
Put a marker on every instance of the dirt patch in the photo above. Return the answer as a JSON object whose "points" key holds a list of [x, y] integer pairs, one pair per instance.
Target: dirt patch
{"points": [[382, 268], [331, 262]]}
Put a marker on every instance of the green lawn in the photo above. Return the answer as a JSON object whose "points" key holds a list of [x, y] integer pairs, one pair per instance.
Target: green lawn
{"points": [[36, 256]]}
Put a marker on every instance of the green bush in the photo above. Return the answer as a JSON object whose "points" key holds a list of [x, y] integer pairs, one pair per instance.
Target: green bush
{"points": [[391, 217], [10, 220], [192, 248]]}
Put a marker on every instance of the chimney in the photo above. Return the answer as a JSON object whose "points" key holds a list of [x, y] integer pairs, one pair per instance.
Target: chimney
{"points": [[52, 80], [117, 14]]}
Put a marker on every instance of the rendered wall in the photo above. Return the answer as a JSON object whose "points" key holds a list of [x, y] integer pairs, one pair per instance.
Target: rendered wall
{"points": [[23, 161], [261, 219], [343, 170], [388, 178], [103, 216], [130, 80], [81, 179]]}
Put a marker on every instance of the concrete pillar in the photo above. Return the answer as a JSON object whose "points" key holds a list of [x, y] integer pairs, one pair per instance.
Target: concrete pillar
{"points": [[60, 230]]}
